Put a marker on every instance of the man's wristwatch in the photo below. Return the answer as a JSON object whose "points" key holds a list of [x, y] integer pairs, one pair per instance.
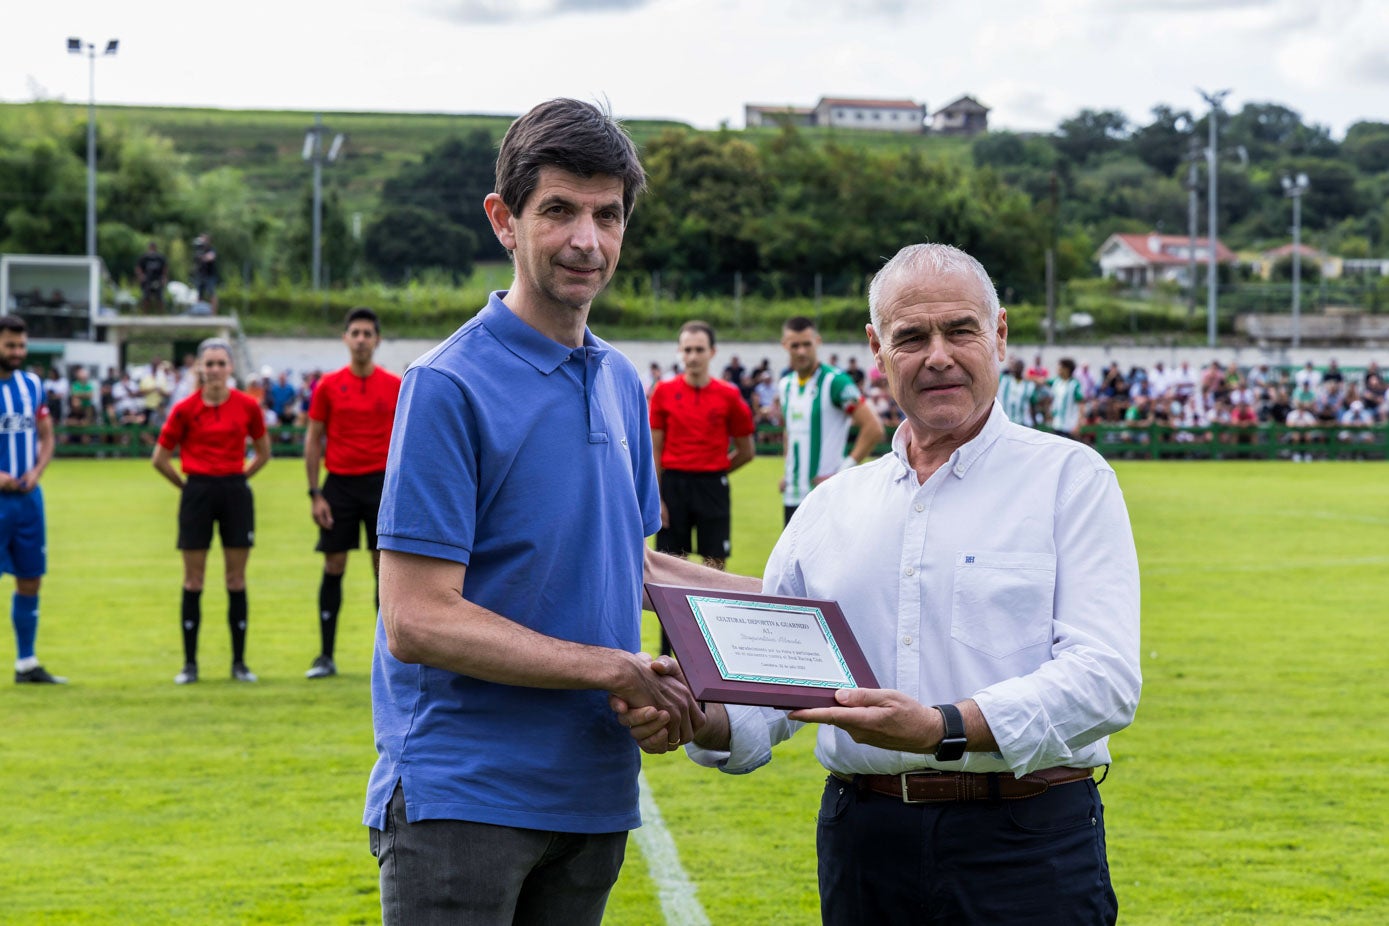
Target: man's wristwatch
{"points": [[314, 493], [952, 745]]}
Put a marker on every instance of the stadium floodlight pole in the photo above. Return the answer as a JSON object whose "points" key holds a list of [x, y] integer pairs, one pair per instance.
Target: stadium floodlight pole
{"points": [[315, 153], [1293, 188], [1214, 99], [1191, 225], [76, 47]]}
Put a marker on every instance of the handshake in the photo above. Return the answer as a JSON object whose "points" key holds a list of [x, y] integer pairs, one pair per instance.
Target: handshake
{"points": [[655, 704]]}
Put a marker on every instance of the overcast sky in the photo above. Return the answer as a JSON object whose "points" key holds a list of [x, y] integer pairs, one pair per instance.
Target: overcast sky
{"points": [[1034, 62]]}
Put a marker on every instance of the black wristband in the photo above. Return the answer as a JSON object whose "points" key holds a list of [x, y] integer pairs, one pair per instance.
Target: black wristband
{"points": [[952, 745], [314, 493]]}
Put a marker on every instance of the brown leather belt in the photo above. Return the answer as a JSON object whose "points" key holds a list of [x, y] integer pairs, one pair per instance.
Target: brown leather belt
{"points": [[931, 787]]}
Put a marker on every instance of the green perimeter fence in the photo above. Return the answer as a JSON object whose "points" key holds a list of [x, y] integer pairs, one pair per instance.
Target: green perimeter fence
{"points": [[1116, 441]]}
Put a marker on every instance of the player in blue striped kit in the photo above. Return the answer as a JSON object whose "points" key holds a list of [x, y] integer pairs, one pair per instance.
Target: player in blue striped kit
{"points": [[26, 447]]}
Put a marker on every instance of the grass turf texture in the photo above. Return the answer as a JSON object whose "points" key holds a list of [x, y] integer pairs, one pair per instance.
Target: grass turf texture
{"points": [[1246, 793]]}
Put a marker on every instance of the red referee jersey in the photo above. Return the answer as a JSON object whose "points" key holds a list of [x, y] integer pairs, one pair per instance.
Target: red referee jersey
{"points": [[211, 439], [698, 423], [357, 413]]}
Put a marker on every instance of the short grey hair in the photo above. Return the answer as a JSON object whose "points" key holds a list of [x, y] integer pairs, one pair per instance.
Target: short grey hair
{"points": [[930, 258], [208, 344]]}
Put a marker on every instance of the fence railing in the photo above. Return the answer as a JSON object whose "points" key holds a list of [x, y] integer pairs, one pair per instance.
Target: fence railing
{"points": [[1231, 442], [1116, 441], [117, 442]]}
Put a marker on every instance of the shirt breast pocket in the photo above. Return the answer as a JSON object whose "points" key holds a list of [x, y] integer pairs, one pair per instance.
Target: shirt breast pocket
{"points": [[1002, 601]]}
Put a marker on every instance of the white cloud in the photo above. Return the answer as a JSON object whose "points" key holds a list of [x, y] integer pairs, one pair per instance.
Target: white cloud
{"points": [[1034, 62]]}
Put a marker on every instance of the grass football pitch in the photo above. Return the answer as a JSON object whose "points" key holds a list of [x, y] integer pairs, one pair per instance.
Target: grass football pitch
{"points": [[1252, 789]]}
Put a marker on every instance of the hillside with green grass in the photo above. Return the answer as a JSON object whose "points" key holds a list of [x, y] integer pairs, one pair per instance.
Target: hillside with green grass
{"points": [[1245, 793], [741, 226]]}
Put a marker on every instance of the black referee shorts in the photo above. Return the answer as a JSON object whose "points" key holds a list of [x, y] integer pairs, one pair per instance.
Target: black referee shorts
{"points": [[228, 501], [697, 503], [355, 500]]}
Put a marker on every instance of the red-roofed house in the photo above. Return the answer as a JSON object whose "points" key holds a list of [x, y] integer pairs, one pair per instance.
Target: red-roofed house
{"points": [[1330, 267], [884, 115], [1141, 260]]}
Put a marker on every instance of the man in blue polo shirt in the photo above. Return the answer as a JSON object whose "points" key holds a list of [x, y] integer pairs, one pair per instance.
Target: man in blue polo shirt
{"points": [[518, 495]]}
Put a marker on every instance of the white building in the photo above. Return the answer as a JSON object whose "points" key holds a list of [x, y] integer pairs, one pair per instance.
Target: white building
{"points": [[880, 115], [1139, 261]]}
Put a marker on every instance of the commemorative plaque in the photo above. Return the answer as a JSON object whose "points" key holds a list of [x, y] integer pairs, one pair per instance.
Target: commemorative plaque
{"points": [[741, 648]]}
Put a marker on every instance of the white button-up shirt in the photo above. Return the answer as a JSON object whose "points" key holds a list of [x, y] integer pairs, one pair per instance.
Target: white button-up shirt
{"points": [[1009, 577]]}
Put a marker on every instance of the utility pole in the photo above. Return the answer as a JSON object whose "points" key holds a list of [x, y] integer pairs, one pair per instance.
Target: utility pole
{"points": [[1214, 99], [76, 47], [314, 153], [1191, 229], [1051, 263], [1293, 188]]}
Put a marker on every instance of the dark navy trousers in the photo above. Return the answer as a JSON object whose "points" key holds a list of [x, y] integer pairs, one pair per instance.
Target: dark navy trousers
{"points": [[1038, 860]]}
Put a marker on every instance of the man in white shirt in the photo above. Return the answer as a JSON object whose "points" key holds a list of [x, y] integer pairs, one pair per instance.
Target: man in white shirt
{"points": [[1308, 378], [1300, 422], [989, 573]]}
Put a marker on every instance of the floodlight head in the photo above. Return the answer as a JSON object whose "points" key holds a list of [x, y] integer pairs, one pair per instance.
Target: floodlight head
{"points": [[1287, 182], [1302, 182], [111, 46], [74, 45], [336, 148], [1214, 99], [310, 140]]}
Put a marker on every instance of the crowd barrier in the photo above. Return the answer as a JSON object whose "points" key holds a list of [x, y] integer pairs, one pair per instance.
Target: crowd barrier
{"points": [[1238, 442], [1115, 441], [117, 442]]}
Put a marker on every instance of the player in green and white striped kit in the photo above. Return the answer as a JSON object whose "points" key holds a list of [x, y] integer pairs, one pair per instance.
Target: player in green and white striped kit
{"points": [[1017, 394], [1066, 399], [818, 405]]}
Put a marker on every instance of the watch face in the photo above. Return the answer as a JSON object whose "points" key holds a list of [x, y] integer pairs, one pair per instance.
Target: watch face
{"points": [[952, 744], [950, 749]]}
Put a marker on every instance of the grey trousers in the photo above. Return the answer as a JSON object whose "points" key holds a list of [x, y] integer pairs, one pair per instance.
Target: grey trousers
{"points": [[456, 872]]}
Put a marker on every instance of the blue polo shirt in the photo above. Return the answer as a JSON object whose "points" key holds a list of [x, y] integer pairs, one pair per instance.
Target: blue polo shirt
{"points": [[529, 462]]}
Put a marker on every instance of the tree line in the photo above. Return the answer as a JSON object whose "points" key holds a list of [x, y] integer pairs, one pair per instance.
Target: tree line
{"points": [[776, 213]]}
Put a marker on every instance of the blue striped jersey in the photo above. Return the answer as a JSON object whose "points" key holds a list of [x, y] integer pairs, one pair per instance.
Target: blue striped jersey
{"points": [[21, 403]]}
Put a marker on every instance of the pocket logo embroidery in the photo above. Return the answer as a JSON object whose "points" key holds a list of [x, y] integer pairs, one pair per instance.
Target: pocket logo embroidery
{"points": [[969, 559]]}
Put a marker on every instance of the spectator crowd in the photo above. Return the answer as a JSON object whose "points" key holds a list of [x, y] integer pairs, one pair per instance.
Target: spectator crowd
{"points": [[139, 397], [1213, 403], [1320, 399]]}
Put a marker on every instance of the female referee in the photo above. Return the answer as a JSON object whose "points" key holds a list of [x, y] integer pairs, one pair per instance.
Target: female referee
{"points": [[211, 427]]}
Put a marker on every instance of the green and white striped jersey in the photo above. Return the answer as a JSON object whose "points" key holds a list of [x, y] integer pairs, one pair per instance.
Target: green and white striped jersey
{"points": [[1016, 397], [1066, 399], [816, 417]]}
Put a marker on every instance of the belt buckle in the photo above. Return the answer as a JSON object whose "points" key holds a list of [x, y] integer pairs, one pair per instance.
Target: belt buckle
{"points": [[924, 773]]}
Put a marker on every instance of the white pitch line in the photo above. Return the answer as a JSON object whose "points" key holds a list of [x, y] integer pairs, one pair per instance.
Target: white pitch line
{"points": [[679, 904]]}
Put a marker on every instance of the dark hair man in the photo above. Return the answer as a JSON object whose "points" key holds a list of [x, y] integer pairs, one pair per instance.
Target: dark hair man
{"points": [[25, 453], [694, 420], [1067, 399], [818, 404], [989, 572], [350, 419], [205, 275], [152, 273], [519, 492]]}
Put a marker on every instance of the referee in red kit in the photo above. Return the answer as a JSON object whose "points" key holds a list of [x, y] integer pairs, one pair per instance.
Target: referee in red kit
{"points": [[694, 419], [350, 419], [210, 430]]}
